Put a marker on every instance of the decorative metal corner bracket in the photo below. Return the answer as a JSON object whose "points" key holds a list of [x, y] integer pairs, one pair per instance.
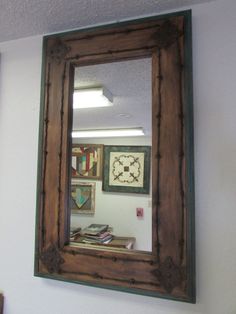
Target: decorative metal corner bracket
{"points": [[58, 51], [166, 35], [169, 274], [52, 259]]}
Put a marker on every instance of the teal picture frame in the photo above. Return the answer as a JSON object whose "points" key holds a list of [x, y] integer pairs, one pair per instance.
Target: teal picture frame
{"points": [[126, 169]]}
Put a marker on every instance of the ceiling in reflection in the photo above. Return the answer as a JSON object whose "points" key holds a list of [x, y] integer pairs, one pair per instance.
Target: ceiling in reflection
{"points": [[130, 84]]}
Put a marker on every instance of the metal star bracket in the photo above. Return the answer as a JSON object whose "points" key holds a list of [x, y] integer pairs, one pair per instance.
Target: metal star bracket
{"points": [[169, 274], [52, 259], [166, 35], [58, 51]]}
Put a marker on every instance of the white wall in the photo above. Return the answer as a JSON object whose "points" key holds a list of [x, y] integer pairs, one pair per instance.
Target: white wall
{"points": [[214, 54]]}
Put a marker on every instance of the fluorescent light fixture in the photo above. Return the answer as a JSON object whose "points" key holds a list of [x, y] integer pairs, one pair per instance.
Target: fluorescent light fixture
{"points": [[93, 97], [108, 133]]}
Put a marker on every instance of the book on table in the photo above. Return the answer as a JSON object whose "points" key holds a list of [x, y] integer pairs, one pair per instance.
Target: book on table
{"points": [[95, 240], [101, 234], [96, 233], [95, 229], [74, 233]]}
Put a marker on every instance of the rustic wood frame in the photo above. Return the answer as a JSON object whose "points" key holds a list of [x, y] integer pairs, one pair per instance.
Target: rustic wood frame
{"points": [[169, 270]]}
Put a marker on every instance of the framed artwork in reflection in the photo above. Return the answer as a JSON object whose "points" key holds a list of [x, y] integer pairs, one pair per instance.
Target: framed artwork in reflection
{"points": [[126, 169], [87, 161], [82, 197]]}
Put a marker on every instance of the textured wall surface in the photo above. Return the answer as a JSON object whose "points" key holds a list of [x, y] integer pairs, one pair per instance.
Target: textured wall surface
{"points": [[32, 17], [214, 51]]}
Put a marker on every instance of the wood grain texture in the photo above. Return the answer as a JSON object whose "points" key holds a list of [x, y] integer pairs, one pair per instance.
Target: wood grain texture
{"points": [[167, 271]]}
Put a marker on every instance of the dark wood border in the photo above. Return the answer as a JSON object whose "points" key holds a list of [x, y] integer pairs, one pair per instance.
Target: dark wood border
{"points": [[146, 172], [169, 270]]}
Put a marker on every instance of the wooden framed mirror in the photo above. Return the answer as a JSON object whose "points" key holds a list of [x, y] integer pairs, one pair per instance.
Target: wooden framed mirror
{"points": [[165, 268]]}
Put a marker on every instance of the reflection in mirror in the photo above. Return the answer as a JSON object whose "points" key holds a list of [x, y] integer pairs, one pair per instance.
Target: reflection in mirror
{"points": [[111, 183]]}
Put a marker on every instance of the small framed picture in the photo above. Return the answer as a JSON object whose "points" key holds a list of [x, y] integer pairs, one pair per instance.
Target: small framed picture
{"points": [[82, 197], [126, 169], [87, 161]]}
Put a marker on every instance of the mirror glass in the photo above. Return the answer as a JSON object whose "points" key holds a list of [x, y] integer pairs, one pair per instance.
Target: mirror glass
{"points": [[111, 174]]}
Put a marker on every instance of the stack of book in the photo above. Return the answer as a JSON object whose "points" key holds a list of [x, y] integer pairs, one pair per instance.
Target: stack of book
{"points": [[74, 233], [96, 234]]}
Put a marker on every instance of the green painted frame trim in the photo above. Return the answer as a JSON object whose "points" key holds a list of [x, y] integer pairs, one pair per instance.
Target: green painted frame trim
{"points": [[40, 152], [189, 146], [146, 150], [115, 288]]}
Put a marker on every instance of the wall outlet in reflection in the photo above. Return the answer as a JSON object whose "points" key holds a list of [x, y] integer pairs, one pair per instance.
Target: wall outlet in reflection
{"points": [[139, 212]]}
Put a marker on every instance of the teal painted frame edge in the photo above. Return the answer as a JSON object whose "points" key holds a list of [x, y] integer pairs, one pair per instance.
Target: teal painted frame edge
{"points": [[189, 146], [40, 154], [114, 288], [106, 169], [188, 99]]}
